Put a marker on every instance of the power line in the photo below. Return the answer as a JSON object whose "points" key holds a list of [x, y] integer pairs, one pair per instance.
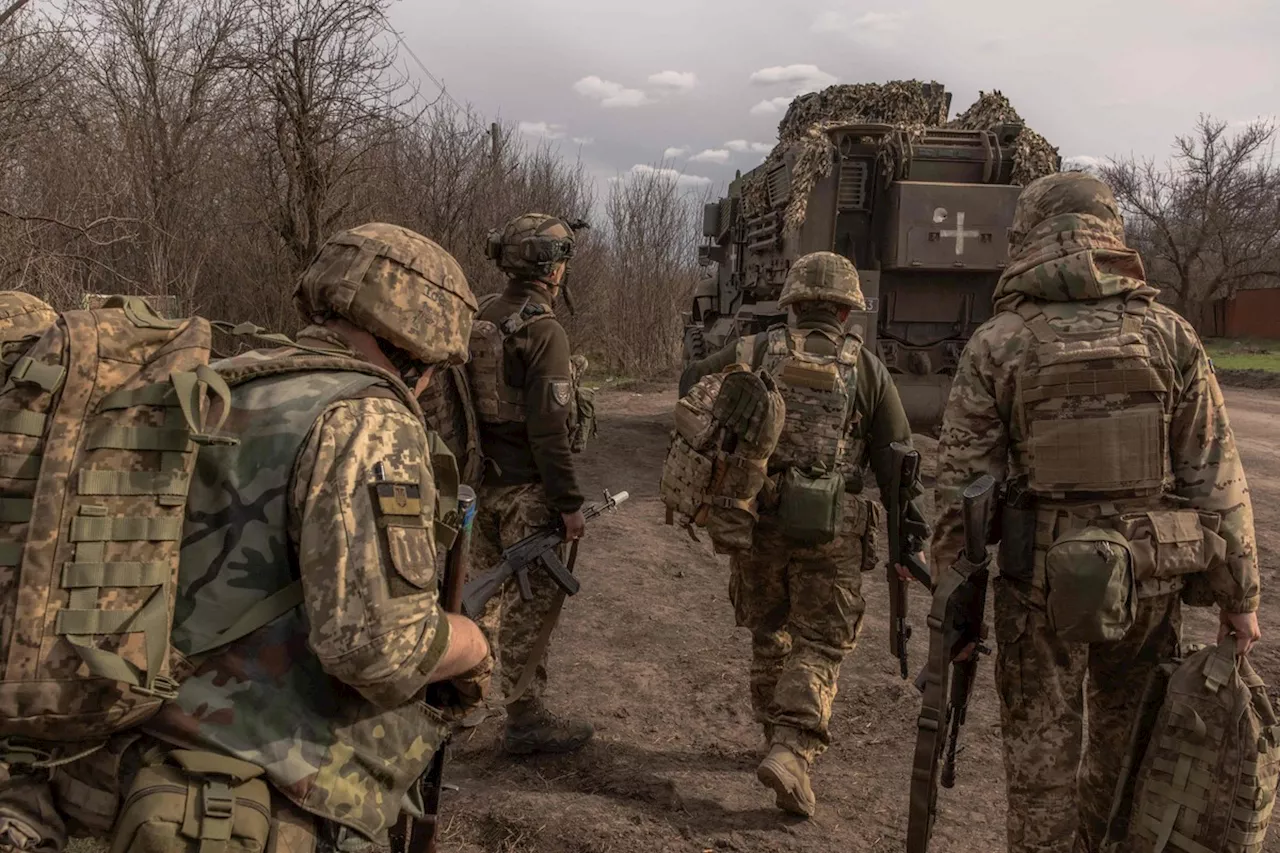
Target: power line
{"points": [[438, 84]]}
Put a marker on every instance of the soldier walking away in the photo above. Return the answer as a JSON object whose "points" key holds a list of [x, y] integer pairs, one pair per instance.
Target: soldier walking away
{"points": [[524, 388], [798, 593], [1124, 498], [307, 621]]}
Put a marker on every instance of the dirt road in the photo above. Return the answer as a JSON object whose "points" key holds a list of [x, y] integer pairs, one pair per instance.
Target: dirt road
{"points": [[648, 652]]}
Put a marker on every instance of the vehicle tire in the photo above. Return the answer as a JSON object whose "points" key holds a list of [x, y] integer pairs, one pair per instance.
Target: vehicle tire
{"points": [[695, 344]]}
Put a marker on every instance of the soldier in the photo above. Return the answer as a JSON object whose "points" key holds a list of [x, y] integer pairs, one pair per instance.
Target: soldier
{"points": [[1099, 409], [524, 389], [331, 483], [804, 605]]}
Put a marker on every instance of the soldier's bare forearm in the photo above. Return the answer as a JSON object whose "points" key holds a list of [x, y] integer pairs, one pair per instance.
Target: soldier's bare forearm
{"points": [[467, 648]]}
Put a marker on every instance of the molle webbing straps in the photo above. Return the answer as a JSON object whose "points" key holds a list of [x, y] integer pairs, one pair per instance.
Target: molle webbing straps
{"points": [[1093, 405]]}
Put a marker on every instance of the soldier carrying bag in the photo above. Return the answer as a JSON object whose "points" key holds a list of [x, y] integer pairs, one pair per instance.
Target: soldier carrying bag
{"points": [[711, 478], [1209, 763]]}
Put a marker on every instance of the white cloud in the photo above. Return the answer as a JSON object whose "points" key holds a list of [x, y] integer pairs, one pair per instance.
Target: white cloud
{"points": [[1081, 163], [867, 27], [674, 81], [610, 94], [771, 106], [584, 140], [541, 128], [807, 76], [711, 155], [742, 146], [674, 153], [640, 169]]}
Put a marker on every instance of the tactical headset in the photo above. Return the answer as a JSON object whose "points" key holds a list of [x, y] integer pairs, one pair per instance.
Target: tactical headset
{"points": [[537, 249]]}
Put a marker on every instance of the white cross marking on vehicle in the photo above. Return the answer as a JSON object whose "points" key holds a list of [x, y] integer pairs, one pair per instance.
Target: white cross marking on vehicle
{"points": [[959, 233]]}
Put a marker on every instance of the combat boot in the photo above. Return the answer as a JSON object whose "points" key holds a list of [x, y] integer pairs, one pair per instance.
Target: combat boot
{"points": [[532, 728], [788, 775]]}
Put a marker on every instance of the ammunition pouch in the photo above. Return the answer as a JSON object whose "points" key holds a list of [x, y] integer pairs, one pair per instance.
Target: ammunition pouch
{"points": [[732, 516], [809, 505], [1090, 590], [1017, 547], [1171, 543], [201, 803]]}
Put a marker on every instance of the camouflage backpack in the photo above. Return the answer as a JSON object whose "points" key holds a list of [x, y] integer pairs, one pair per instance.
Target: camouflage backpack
{"points": [[814, 450], [100, 422], [23, 319], [499, 402], [711, 479], [1207, 778]]}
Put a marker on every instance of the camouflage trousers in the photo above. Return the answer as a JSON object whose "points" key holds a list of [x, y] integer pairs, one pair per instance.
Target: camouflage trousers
{"points": [[505, 515], [804, 609], [1057, 804]]}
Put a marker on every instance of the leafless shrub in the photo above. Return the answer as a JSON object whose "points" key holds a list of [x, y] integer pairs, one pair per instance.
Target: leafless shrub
{"points": [[1207, 222]]}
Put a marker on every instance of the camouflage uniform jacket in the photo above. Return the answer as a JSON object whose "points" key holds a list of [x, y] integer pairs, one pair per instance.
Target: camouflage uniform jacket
{"points": [[323, 697], [536, 360], [1080, 275], [879, 418]]}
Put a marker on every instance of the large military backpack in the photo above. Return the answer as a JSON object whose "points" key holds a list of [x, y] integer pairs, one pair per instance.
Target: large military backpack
{"points": [[1207, 779], [496, 400], [814, 452], [710, 478], [100, 422]]}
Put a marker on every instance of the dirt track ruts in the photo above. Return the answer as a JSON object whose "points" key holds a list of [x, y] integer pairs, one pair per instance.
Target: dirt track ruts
{"points": [[648, 652]]}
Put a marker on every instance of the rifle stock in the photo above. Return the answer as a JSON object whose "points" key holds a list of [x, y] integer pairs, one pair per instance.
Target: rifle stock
{"points": [[955, 621]]}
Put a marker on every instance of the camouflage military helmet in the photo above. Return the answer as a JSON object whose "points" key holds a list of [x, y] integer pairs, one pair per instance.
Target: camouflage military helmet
{"points": [[530, 245], [823, 277], [23, 315], [1064, 193], [395, 284]]}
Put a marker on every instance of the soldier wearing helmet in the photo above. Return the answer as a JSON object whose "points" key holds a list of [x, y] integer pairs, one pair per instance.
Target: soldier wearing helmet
{"points": [[524, 387], [800, 596], [321, 526], [1093, 469]]}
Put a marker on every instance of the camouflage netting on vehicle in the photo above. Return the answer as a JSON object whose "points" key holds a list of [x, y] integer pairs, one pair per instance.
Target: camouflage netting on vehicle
{"points": [[1033, 156], [909, 105]]}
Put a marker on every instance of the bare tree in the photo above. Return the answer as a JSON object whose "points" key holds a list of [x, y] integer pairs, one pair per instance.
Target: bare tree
{"points": [[325, 98], [1208, 221], [653, 266], [170, 86]]}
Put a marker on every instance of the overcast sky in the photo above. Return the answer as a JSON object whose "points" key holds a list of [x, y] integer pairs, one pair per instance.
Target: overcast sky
{"points": [[703, 83]]}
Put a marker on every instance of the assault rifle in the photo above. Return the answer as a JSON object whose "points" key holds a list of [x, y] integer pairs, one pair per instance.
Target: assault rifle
{"points": [[906, 469], [412, 835], [538, 549], [955, 622]]}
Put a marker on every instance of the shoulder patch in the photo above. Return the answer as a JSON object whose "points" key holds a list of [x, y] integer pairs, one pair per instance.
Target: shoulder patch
{"points": [[560, 390]]}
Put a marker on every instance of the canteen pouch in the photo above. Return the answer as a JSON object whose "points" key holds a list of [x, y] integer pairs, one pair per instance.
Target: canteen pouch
{"points": [[1090, 589], [208, 803], [809, 505]]}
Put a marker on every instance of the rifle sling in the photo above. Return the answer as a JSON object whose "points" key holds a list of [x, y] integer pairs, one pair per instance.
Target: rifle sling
{"points": [[931, 725], [544, 638]]}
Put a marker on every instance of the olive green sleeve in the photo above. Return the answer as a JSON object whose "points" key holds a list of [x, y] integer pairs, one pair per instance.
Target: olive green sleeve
{"points": [[548, 389], [713, 363], [884, 422]]}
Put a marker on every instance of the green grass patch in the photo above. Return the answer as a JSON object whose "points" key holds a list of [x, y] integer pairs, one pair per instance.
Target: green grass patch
{"points": [[1244, 354]]}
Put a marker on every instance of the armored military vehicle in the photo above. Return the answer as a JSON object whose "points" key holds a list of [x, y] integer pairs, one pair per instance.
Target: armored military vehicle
{"points": [[923, 213]]}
